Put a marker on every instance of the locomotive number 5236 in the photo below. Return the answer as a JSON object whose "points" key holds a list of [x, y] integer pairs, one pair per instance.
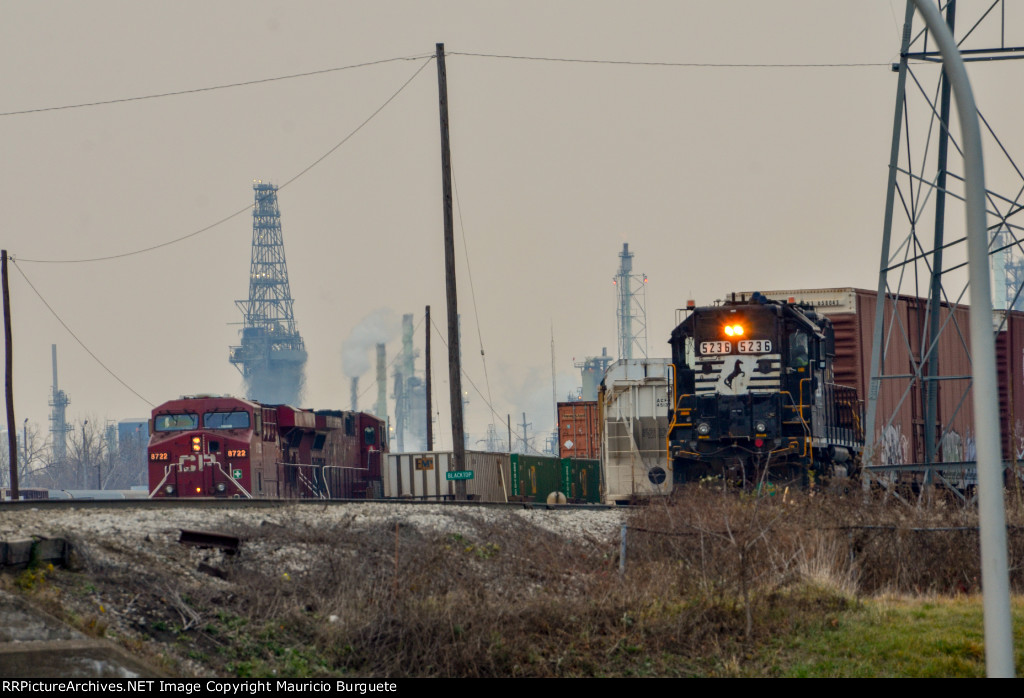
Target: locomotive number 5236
{"points": [[755, 346]]}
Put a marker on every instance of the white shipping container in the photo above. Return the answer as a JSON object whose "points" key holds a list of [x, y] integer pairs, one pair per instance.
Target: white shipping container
{"points": [[422, 475], [634, 424]]}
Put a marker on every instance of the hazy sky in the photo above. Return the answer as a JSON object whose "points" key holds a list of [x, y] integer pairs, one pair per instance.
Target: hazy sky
{"points": [[718, 178]]}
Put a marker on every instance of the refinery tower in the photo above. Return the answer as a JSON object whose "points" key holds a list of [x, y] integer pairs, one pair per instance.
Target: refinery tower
{"points": [[272, 355]]}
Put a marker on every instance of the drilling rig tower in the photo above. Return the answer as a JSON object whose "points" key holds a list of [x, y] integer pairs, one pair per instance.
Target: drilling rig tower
{"points": [[272, 355]]}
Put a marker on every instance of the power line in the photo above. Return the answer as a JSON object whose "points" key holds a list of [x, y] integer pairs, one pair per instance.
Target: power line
{"points": [[489, 405], [472, 288], [249, 207], [212, 87], [323, 71], [668, 64], [360, 126], [144, 249], [80, 342]]}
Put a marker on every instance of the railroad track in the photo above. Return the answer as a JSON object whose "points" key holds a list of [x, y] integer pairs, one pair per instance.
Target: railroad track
{"points": [[218, 503]]}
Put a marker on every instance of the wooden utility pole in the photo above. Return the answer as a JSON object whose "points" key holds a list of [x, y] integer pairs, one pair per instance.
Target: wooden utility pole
{"points": [[454, 367], [12, 434], [430, 421]]}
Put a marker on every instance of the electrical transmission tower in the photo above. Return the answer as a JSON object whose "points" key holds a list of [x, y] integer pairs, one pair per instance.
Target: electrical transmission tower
{"points": [[919, 407], [272, 355], [1014, 280], [631, 307]]}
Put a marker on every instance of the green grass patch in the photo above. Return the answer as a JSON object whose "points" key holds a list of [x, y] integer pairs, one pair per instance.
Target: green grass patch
{"points": [[893, 637]]}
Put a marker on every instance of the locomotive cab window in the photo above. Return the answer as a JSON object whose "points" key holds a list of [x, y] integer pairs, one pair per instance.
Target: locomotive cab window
{"points": [[799, 355], [369, 436], [185, 421], [689, 354], [236, 419]]}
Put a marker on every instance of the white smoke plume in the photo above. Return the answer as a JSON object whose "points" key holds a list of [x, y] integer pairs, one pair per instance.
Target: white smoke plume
{"points": [[359, 349]]}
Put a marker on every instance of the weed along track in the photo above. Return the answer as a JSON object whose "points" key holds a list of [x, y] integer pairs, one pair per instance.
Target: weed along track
{"points": [[711, 582]]}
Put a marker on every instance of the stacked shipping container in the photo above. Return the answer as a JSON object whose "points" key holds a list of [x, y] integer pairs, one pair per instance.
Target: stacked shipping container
{"points": [[578, 424]]}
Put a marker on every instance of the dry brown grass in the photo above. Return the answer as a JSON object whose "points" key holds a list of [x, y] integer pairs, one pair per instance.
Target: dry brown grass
{"points": [[710, 575]]}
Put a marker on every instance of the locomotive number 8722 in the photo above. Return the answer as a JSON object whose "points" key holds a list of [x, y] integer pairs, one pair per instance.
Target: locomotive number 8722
{"points": [[754, 396]]}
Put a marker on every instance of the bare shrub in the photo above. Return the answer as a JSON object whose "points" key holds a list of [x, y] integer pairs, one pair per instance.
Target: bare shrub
{"points": [[709, 575], [726, 544]]}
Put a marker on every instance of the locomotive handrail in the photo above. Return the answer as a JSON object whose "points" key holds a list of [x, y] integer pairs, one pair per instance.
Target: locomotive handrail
{"points": [[236, 482], [313, 489], [167, 471], [800, 414], [808, 435], [338, 467], [314, 465], [798, 407], [672, 425]]}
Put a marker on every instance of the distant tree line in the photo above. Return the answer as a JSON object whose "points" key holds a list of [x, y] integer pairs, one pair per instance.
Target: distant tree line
{"points": [[94, 458]]}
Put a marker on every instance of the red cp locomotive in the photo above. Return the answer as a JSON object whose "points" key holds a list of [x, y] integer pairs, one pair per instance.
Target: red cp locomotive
{"points": [[207, 446]]}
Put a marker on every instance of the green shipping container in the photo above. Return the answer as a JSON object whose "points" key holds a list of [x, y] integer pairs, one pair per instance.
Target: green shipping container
{"points": [[535, 477], [581, 480]]}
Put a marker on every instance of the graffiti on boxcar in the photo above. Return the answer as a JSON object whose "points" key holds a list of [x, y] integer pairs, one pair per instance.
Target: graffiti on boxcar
{"points": [[952, 447], [894, 446], [970, 447]]}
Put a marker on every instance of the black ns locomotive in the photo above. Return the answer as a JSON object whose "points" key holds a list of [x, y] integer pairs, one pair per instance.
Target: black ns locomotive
{"points": [[754, 396]]}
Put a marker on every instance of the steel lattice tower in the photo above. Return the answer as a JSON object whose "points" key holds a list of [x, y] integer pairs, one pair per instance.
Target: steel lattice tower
{"points": [[272, 355], [920, 364], [631, 307]]}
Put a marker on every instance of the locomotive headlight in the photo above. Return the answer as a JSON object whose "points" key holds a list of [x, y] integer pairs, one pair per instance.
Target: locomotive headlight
{"points": [[169, 490], [734, 330], [197, 443], [221, 487], [760, 427], [703, 428]]}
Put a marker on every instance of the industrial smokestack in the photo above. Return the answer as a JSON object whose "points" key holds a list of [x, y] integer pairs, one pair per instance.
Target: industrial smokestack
{"points": [[400, 416], [355, 393], [374, 330], [58, 415], [408, 358], [382, 382]]}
